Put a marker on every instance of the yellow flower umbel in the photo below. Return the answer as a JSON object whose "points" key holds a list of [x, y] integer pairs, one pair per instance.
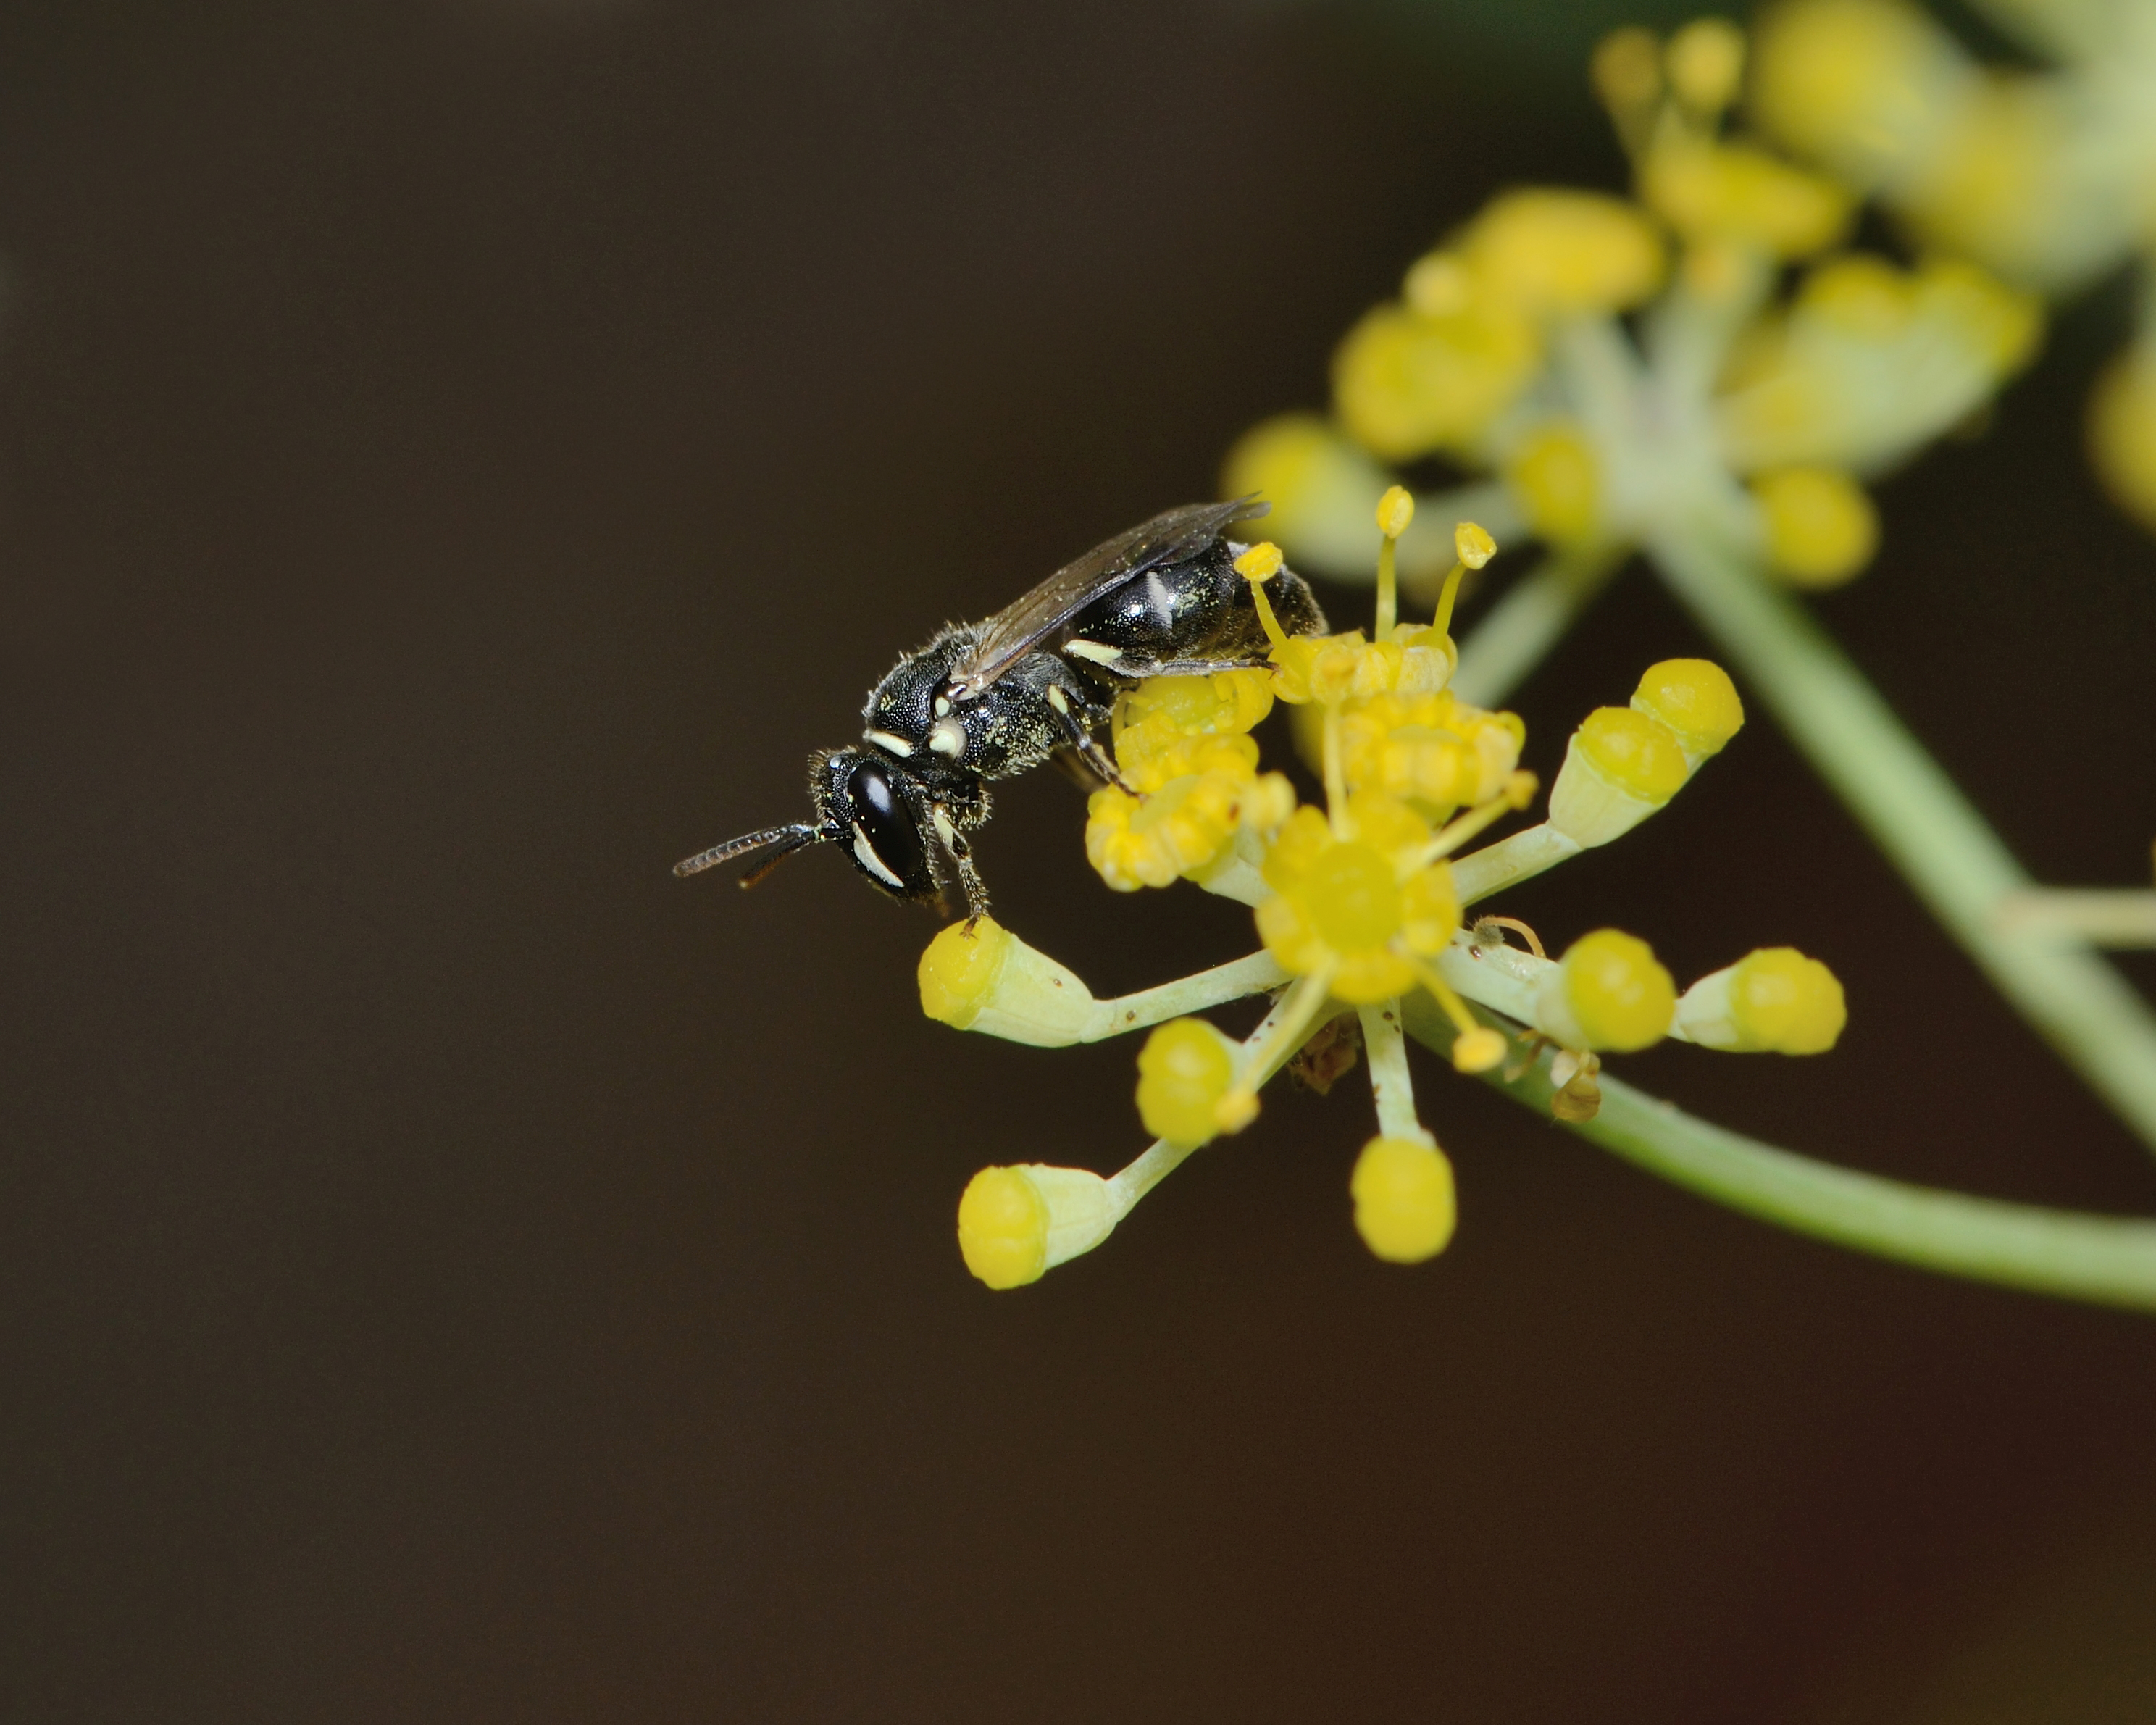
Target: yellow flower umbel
{"points": [[1358, 903], [1731, 407], [2046, 177]]}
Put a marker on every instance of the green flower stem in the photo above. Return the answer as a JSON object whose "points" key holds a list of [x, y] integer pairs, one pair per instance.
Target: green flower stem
{"points": [[1155, 1164], [1208, 989], [1920, 818], [1516, 857], [1516, 633], [1392, 1087], [2103, 917], [2110, 1260]]}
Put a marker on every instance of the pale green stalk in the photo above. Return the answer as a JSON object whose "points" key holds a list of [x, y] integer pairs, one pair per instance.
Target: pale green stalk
{"points": [[1920, 818], [2108, 1259], [1208, 989]]}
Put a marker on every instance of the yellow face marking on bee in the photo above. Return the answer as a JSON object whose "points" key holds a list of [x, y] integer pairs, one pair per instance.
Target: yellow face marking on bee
{"points": [[1058, 699], [943, 705], [1093, 650], [890, 744], [948, 737], [871, 861], [944, 830]]}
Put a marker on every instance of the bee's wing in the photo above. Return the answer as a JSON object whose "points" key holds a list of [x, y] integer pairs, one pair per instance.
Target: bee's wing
{"points": [[1172, 537]]}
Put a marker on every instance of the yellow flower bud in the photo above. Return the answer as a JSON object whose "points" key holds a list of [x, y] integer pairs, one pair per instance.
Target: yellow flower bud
{"points": [[1775, 1001], [1016, 1223], [1405, 1209], [1395, 510], [1714, 191], [1557, 480], [1821, 528], [1563, 251], [1695, 698], [1184, 1069], [1620, 767], [981, 977], [1607, 991], [1473, 545], [1477, 1050], [2122, 433], [1260, 562]]}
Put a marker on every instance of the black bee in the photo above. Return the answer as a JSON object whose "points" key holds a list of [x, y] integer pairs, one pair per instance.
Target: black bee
{"points": [[984, 701]]}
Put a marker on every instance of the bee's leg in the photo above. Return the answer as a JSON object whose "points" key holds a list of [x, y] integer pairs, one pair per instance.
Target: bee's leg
{"points": [[961, 854], [1081, 738]]}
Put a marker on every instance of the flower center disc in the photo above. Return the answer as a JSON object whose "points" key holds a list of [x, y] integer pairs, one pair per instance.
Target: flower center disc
{"points": [[1353, 898]]}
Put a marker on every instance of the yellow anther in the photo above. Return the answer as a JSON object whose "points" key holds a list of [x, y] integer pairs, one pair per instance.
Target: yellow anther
{"points": [[1627, 71], [1706, 63], [1258, 565], [1821, 528], [1557, 478], [1775, 1000], [1695, 698], [1185, 1070], [1395, 510], [1472, 545], [1198, 793], [1607, 991], [1478, 1050], [1016, 1223], [980, 977], [1405, 1208], [1553, 251]]}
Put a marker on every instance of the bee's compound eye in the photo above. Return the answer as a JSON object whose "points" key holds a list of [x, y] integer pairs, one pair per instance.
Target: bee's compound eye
{"points": [[884, 826]]}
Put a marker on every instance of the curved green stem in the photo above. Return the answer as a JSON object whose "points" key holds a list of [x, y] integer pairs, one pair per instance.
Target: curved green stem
{"points": [[2110, 1260], [1920, 818]]}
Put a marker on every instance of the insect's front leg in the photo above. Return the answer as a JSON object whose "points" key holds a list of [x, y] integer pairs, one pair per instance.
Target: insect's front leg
{"points": [[1071, 717], [961, 852]]}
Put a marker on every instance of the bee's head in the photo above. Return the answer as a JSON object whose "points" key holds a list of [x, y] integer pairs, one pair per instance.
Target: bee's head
{"points": [[865, 805]]}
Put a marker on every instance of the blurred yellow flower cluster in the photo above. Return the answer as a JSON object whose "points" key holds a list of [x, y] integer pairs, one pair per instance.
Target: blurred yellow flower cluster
{"points": [[2048, 177], [1358, 902], [1625, 367]]}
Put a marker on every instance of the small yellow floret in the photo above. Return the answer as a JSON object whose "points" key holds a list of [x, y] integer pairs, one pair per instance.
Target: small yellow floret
{"points": [[1551, 251], [1864, 85], [959, 970], [1556, 477], [1787, 1003], [1638, 754], [1620, 996], [1404, 384], [1821, 527], [1706, 62], [1627, 70], [1003, 1228], [1184, 1069], [1714, 191], [1695, 698], [1260, 562], [1472, 545], [1405, 1208], [2122, 433], [1395, 510], [1196, 794], [1438, 284]]}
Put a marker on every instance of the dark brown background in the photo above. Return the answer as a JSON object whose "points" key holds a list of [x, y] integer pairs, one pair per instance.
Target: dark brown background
{"points": [[456, 459]]}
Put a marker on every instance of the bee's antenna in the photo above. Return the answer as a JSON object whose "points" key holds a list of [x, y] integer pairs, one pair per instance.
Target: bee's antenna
{"points": [[785, 840]]}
